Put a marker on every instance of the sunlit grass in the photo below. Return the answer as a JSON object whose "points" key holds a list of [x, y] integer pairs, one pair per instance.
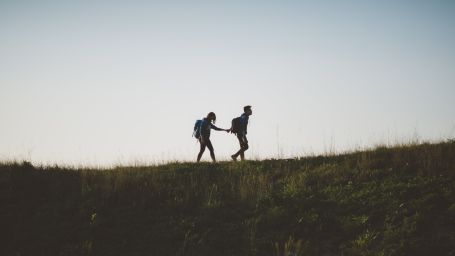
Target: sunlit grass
{"points": [[384, 201]]}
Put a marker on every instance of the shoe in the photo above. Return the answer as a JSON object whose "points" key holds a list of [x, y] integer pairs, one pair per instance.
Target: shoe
{"points": [[234, 158]]}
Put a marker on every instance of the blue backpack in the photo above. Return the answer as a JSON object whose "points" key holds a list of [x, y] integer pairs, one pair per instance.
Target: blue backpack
{"points": [[197, 129]]}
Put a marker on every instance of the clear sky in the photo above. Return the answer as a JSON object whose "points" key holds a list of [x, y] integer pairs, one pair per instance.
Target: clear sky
{"points": [[115, 82]]}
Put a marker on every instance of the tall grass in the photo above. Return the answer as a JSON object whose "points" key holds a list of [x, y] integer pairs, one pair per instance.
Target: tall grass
{"points": [[383, 201]]}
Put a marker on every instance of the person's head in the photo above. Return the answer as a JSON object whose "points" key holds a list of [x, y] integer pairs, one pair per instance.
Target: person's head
{"points": [[211, 117], [247, 110]]}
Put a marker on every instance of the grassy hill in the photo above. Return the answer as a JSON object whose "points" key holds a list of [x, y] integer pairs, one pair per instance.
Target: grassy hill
{"points": [[386, 201]]}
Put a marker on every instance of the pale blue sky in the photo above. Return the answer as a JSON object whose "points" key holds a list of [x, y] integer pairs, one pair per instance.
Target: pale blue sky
{"points": [[108, 82]]}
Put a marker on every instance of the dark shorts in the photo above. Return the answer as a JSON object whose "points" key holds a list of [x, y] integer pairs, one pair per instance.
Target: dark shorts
{"points": [[242, 139]]}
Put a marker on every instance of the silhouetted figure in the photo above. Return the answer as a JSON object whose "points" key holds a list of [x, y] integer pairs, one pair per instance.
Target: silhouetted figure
{"points": [[239, 127], [206, 124]]}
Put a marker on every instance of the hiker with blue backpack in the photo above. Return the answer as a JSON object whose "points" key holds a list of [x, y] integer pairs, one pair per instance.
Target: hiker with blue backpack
{"points": [[239, 128], [202, 133]]}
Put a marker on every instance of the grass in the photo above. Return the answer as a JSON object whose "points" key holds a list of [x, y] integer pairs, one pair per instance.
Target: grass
{"points": [[384, 201]]}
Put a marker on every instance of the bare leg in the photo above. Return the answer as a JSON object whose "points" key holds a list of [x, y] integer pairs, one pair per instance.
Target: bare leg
{"points": [[201, 151], [212, 151], [243, 147]]}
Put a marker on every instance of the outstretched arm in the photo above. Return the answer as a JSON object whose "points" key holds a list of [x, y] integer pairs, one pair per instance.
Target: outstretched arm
{"points": [[216, 128]]}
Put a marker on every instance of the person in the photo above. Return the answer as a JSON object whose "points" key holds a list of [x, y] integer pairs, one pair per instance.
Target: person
{"points": [[204, 139], [242, 132]]}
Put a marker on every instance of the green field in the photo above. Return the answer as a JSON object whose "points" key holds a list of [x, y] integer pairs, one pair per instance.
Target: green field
{"points": [[384, 201]]}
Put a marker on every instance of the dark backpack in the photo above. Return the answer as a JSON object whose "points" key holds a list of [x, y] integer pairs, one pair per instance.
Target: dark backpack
{"points": [[197, 129], [236, 125]]}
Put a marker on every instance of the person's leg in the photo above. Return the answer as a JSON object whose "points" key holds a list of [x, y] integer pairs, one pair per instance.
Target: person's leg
{"points": [[212, 151], [201, 151], [244, 147], [234, 156]]}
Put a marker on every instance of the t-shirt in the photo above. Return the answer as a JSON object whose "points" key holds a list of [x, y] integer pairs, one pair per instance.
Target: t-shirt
{"points": [[207, 126], [244, 124]]}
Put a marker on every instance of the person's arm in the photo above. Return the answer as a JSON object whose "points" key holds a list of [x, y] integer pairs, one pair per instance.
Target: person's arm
{"points": [[216, 128]]}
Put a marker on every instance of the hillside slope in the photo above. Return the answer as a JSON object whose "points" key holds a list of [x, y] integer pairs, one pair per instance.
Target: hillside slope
{"points": [[386, 201]]}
